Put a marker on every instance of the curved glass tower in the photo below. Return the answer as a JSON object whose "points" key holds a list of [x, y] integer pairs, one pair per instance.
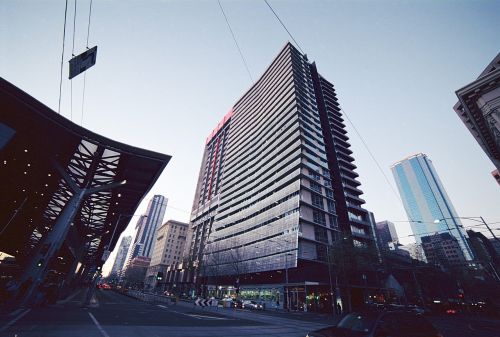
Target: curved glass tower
{"points": [[427, 205]]}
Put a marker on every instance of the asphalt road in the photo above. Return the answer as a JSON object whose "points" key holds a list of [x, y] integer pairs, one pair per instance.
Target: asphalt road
{"points": [[120, 316], [116, 315]]}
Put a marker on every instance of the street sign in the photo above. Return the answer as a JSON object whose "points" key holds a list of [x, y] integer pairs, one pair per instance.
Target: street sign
{"points": [[82, 62], [206, 303]]}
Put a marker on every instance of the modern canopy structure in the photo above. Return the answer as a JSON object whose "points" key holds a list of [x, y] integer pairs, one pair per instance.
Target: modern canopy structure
{"points": [[63, 189]]}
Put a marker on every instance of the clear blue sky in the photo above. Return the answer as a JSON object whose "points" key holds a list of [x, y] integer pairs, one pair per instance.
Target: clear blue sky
{"points": [[167, 72]]}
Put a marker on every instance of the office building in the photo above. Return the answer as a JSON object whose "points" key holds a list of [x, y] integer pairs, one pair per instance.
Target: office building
{"points": [[136, 271], [288, 191], [427, 205], [121, 255], [415, 250], [146, 227], [386, 233], [479, 108], [168, 249], [443, 249]]}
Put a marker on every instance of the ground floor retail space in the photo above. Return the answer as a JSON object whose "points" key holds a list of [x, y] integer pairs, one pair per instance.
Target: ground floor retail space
{"points": [[306, 296]]}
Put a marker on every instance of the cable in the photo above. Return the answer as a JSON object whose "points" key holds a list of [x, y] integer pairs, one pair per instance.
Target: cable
{"points": [[376, 162], [88, 27], [73, 55], [235, 41], [277, 17], [62, 57], [85, 73]]}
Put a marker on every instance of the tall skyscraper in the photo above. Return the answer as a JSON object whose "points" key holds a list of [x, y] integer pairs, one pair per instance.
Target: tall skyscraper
{"points": [[386, 233], [206, 200], [288, 189], [479, 108], [146, 227], [427, 205], [121, 255]]}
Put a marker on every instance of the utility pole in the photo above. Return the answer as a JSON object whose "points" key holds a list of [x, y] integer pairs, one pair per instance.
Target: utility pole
{"points": [[488, 226]]}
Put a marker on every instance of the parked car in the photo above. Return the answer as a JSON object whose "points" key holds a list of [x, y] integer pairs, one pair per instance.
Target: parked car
{"points": [[251, 305], [380, 324], [237, 303]]}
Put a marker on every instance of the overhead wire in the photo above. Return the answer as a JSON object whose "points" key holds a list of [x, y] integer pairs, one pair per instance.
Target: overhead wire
{"points": [[62, 56], [290, 34], [85, 73], [235, 41], [73, 55]]}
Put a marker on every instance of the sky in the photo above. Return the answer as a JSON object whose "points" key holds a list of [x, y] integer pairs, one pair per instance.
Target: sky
{"points": [[168, 71]]}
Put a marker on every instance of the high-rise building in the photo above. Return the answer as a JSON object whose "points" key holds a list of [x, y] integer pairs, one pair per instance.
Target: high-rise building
{"points": [[479, 108], [206, 200], [288, 189], [427, 205], [121, 255], [146, 227], [443, 249], [416, 252], [386, 233], [168, 249]]}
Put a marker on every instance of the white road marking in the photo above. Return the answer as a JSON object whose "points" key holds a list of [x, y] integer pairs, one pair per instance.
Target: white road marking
{"points": [[208, 317], [195, 315], [8, 325], [104, 333]]}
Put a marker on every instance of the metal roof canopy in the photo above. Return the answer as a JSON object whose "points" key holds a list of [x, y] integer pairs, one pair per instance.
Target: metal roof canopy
{"points": [[33, 192]]}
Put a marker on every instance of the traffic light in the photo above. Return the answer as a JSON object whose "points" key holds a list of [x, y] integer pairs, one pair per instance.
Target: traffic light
{"points": [[159, 276], [40, 263]]}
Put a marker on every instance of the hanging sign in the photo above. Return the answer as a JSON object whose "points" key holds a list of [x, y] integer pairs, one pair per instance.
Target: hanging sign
{"points": [[82, 62]]}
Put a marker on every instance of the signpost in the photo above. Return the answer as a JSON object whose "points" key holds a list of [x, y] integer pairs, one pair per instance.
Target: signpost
{"points": [[82, 62]]}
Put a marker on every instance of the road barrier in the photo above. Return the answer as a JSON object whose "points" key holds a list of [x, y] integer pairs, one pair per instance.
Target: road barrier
{"points": [[206, 303], [151, 298]]}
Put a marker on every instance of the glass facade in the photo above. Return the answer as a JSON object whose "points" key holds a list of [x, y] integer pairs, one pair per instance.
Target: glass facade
{"points": [[427, 205]]}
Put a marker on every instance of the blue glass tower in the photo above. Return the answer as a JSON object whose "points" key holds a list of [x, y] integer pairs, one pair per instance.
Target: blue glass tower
{"points": [[427, 205]]}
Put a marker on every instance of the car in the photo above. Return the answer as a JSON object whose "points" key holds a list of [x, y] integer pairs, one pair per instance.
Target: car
{"points": [[380, 324], [237, 303], [451, 311], [251, 305]]}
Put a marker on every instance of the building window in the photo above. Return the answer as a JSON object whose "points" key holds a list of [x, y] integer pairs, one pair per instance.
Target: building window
{"points": [[314, 175], [320, 234], [331, 206], [315, 186], [333, 221], [329, 193], [328, 183], [319, 217], [317, 200]]}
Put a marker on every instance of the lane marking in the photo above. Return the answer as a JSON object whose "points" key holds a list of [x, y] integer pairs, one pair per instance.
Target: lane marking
{"points": [[177, 312], [208, 317], [12, 322], [104, 333], [196, 315], [15, 312]]}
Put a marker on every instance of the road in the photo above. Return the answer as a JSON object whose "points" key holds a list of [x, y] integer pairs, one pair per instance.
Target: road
{"points": [[119, 316], [116, 315]]}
